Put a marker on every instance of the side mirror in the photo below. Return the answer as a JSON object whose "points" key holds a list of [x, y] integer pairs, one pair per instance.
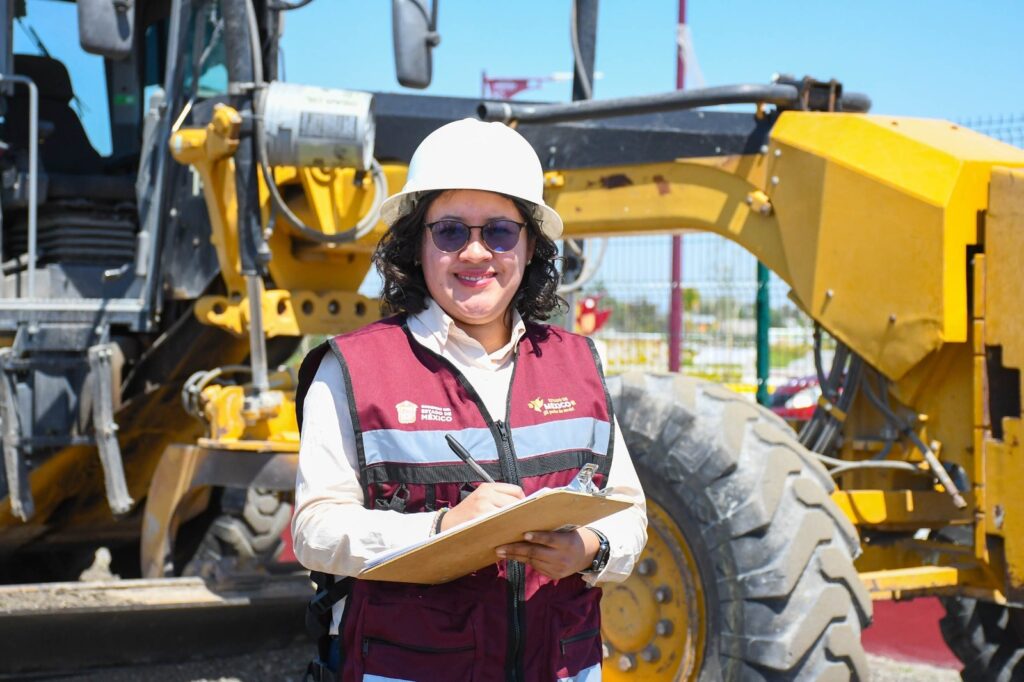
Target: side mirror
{"points": [[415, 34], [107, 27]]}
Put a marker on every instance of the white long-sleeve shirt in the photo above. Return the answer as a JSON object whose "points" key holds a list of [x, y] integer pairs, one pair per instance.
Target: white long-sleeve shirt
{"points": [[333, 532]]}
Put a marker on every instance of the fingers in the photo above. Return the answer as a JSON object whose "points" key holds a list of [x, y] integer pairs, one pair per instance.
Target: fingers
{"points": [[543, 559], [553, 569], [486, 498], [492, 495], [503, 489], [554, 554], [557, 540], [526, 552]]}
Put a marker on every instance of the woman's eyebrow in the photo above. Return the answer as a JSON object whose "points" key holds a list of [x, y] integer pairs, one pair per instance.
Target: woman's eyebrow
{"points": [[452, 216]]}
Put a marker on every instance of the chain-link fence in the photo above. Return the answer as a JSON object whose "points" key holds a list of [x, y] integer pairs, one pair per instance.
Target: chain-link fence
{"points": [[719, 286], [1008, 128]]}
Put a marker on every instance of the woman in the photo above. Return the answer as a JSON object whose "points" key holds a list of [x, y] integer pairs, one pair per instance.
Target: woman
{"points": [[468, 265]]}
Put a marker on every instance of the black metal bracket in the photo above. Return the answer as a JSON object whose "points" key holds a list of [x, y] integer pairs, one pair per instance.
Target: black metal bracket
{"points": [[816, 95]]}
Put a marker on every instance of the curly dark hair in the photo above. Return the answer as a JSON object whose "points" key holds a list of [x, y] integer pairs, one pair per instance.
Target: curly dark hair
{"points": [[405, 290]]}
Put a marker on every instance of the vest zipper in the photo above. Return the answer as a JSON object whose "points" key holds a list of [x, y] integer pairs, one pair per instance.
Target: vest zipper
{"points": [[516, 571]]}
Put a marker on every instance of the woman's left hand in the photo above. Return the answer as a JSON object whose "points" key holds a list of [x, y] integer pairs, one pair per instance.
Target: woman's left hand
{"points": [[554, 554]]}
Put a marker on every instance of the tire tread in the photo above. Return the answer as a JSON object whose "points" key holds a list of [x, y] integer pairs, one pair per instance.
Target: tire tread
{"points": [[790, 604]]}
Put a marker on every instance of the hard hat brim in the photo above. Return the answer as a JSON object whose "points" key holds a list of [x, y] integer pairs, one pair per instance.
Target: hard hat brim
{"points": [[397, 205]]}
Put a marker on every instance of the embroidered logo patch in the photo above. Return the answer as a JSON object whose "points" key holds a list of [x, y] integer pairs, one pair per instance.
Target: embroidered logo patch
{"points": [[406, 412], [432, 413], [548, 406]]}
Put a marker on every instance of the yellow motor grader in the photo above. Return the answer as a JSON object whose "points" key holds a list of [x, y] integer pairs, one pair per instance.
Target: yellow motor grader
{"points": [[150, 299]]}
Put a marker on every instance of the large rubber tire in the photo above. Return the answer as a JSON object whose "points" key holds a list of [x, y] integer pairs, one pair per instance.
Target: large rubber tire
{"points": [[773, 554], [987, 638], [245, 538]]}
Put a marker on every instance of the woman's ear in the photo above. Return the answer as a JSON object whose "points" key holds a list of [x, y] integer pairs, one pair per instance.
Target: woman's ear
{"points": [[531, 245]]}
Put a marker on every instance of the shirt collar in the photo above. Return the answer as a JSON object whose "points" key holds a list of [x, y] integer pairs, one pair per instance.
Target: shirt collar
{"points": [[436, 330]]}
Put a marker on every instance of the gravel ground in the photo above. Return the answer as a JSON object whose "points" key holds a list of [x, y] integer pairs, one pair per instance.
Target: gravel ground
{"points": [[273, 665], [288, 665]]}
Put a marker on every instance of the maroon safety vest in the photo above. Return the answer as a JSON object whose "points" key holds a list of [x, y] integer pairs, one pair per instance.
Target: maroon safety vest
{"points": [[506, 621]]}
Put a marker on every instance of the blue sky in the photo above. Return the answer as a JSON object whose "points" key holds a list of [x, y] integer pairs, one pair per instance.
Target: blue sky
{"points": [[937, 59]]}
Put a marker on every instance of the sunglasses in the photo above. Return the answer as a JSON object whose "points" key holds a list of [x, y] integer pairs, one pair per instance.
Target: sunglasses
{"points": [[498, 236]]}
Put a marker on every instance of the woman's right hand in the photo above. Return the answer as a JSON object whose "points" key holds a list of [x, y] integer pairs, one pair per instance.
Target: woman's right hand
{"points": [[487, 497]]}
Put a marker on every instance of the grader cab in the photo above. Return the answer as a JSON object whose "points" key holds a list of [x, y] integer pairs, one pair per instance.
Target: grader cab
{"points": [[148, 300]]}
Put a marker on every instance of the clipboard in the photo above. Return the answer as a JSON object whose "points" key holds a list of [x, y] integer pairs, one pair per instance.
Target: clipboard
{"points": [[470, 546]]}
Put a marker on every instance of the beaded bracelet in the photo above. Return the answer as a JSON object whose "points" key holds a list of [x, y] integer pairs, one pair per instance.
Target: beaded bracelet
{"points": [[437, 519]]}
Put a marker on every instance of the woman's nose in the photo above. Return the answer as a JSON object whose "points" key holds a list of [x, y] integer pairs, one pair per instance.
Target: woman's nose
{"points": [[475, 249]]}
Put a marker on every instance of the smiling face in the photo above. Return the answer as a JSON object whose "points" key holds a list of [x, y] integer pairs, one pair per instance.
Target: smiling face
{"points": [[474, 285]]}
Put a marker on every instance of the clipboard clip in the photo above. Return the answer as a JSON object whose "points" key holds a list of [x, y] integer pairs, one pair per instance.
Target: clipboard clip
{"points": [[584, 480]]}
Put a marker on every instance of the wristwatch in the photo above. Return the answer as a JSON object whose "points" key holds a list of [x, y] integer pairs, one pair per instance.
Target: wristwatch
{"points": [[603, 550]]}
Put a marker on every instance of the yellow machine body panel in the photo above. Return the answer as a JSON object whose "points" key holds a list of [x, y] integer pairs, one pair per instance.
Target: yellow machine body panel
{"points": [[873, 221], [876, 216], [1002, 328]]}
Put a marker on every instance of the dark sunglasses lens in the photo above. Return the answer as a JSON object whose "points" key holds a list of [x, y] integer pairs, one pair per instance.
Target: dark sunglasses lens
{"points": [[501, 235], [449, 236]]}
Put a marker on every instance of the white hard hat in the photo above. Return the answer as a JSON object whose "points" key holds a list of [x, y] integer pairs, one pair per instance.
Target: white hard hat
{"points": [[471, 154]]}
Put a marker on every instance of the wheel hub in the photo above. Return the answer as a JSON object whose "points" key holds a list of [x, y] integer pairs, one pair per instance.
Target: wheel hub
{"points": [[632, 609], [654, 623]]}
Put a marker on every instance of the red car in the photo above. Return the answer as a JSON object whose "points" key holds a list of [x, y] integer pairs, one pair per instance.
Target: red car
{"points": [[795, 400]]}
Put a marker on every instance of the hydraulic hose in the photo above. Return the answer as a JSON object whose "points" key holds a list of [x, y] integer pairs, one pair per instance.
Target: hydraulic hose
{"points": [[906, 428], [830, 389], [244, 71], [781, 95], [842, 401]]}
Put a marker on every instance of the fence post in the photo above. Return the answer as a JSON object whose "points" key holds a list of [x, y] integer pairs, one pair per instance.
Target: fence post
{"points": [[764, 321]]}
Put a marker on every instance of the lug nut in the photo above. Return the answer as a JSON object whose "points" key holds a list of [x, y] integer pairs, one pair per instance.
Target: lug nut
{"points": [[627, 662], [664, 628], [647, 567], [651, 654], [662, 594]]}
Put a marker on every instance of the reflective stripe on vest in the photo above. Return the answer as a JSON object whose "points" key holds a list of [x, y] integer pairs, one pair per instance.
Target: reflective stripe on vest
{"points": [[429, 446]]}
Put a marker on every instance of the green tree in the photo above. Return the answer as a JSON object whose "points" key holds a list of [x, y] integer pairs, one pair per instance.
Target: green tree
{"points": [[635, 316], [691, 300]]}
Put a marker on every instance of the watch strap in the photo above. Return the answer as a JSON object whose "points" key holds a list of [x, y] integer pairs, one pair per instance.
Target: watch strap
{"points": [[603, 551]]}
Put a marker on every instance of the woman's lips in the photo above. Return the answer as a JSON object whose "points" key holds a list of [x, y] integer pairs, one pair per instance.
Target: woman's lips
{"points": [[474, 280]]}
